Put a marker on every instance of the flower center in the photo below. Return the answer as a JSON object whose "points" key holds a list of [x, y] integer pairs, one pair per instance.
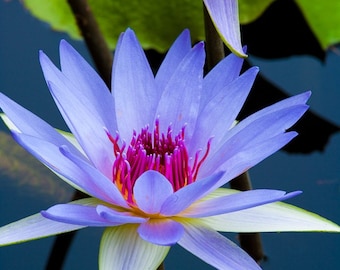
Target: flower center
{"points": [[157, 151]]}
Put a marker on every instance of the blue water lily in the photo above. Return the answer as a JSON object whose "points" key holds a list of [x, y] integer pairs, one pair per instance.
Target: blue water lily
{"points": [[153, 154]]}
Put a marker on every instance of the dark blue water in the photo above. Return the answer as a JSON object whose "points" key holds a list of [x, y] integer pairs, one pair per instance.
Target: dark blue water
{"points": [[318, 175]]}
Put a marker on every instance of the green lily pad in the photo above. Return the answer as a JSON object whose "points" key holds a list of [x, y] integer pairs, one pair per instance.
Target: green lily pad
{"points": [[158, 23], [323, 18], [250, 10]]}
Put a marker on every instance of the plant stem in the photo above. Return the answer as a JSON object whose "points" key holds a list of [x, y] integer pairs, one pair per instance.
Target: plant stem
{"points": [[161, 266], [93, 37], [213, 44], [62, 243], [250, 242]]}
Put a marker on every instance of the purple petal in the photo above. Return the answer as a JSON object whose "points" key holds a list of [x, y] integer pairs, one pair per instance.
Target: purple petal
{"points": [[265, 127], [32, 125], [227, 70], [215, 249], [76, 214], [179, 103], [97, 184], [49, 155], [164, 232], [297, 100], [88, 82], [86, 113], [243, 136], [185, 196], [224, 14], [273, 217], [133, 86], [180, 48], [274, 119], [236, 202], [86, 180], [150, 191], [285, 103], [122, 248], [227, 103], [118, 217], [248, 158], [223, 108], [33, 227]]}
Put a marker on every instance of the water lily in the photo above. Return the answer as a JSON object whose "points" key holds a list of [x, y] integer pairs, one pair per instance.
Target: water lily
{"points": [[153, 154], [224, 15]]}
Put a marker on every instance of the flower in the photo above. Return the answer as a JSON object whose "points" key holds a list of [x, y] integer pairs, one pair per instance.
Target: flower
{"points": [[153, 155], [224, 15]]}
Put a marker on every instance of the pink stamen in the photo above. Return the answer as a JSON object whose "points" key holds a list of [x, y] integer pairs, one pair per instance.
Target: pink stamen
{"points": [[157, 151]]}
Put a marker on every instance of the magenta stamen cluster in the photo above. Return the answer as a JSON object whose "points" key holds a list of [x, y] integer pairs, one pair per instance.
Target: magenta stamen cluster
{"points": [[154, 151]]}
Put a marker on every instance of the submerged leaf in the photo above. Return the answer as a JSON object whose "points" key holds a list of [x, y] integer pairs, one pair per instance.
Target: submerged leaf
{"points": [[23, 170]]}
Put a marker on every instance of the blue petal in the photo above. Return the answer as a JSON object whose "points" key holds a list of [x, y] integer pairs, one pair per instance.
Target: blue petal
{"points": [[179, 49], [75, 214], [50, 155], [224, 14], [236, 202], [247, 133], [133, 87], [86, 112], [223, 108], [162, 232], [89, 83], [150, 191], [31, 124], [265, 127], [187, 195], [97, 184], [215, 249], [273, 217], [297, 100], [75, 67], [227, 70], [179, 103], [244, 160], [118, 217]]}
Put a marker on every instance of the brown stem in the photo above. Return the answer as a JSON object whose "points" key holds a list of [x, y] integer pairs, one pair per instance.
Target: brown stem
{"points": [[62, 243], [94, 39], [161, 266], [241, 182], [214, 45], [250, 242]]}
